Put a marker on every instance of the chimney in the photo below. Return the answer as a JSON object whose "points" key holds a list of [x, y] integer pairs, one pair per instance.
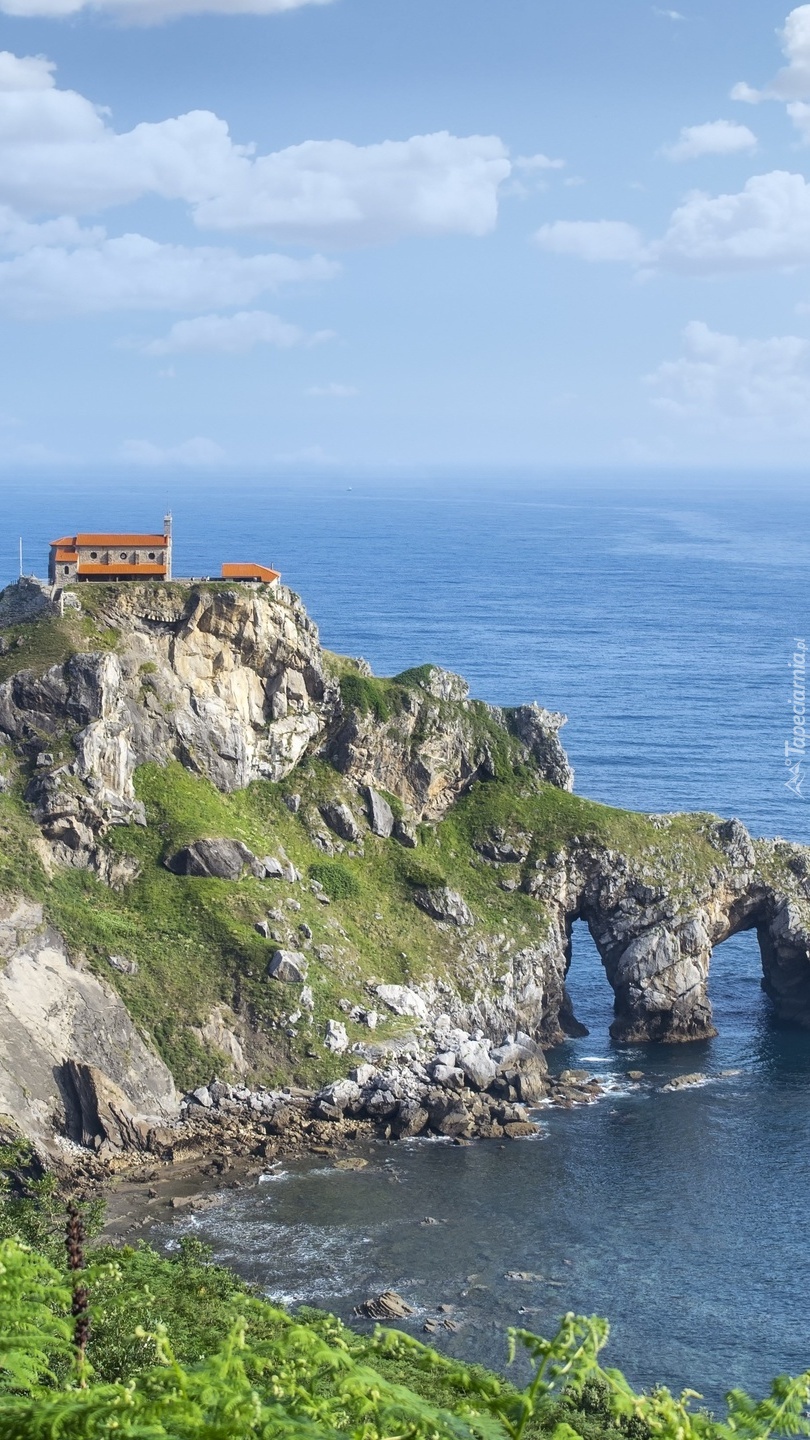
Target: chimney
{"points": [[167, 535]]}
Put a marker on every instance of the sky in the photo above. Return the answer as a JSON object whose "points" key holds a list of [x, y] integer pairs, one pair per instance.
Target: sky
{"points": [[403, 233]]}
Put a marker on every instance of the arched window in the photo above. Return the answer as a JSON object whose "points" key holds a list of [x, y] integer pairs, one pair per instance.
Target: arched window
{"points": [[67, 569]]}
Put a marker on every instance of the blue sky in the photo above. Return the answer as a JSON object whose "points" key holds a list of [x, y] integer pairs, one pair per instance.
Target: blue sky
{"points": [[398, 233]]}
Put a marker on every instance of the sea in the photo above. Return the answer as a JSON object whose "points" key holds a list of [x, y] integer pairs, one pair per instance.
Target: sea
{"points": [[661, 612]]}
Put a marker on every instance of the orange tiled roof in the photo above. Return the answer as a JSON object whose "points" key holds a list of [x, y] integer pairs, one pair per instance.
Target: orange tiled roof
{"points": [[250, 572], [122, 567], [71, 556], [134, 541]]}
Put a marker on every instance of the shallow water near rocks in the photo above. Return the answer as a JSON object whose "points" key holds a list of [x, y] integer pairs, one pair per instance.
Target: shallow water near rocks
{"points": [[662, 619], [680, 1215]]}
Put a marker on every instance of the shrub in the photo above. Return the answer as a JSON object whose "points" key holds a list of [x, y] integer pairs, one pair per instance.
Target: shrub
{"points": [[417, 675], [272, 1376], [370, 696], [337, 881], [423, 877]]}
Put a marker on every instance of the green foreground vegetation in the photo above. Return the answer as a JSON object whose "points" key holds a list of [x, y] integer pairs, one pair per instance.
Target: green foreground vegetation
{"points": [[130, 1343]]}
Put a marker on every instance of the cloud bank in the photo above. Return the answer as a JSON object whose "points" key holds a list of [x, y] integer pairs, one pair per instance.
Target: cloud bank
{"points": [[150, 12], [232, 334], [766, 225], [723, 378], [60, 154]]}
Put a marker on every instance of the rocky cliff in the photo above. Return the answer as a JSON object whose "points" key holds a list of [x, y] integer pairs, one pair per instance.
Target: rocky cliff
{"points": [[262, 847]]}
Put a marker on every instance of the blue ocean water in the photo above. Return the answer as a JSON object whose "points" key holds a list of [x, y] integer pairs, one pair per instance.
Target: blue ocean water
{"points": [[661, 615]]}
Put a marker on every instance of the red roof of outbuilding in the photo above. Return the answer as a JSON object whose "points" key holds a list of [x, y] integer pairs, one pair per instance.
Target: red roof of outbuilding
{"points": [[232, 571]]}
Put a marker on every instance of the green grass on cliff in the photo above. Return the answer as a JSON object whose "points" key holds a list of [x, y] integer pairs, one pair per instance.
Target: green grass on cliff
{"points": [[39, 644], [195, 940]]}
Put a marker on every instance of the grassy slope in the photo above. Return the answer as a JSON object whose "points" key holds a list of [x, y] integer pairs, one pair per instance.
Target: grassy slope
{"points": [[195, 940]]}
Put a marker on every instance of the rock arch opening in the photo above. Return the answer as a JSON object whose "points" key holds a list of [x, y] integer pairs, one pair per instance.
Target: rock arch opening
{"points": [[588, 1003], [659, 972]]}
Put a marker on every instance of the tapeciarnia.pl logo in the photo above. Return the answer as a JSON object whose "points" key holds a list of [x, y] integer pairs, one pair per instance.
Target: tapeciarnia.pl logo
{"points": [[795, 747]]}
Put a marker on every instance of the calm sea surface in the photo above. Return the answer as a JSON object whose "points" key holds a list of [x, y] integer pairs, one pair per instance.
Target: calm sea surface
{"points": [[661, 618]]}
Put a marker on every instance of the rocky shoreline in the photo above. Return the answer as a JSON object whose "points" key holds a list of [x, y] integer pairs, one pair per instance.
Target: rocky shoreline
{"points": [[227, 852]]}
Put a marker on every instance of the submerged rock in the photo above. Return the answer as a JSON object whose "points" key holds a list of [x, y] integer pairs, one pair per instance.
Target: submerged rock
{"points": [[387, 1306]]}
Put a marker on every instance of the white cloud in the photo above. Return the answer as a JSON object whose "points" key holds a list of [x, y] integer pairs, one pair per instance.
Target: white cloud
{"points": [[537, 162], [792, 82], [25, 72], [723, 379], [18, 235], [132, 272], [199, 451], [60, 154], [668, 14], [716, 137], [151, 12], [592, 240], [232, 334], [334, 390], [766, 224], [333, 192]]}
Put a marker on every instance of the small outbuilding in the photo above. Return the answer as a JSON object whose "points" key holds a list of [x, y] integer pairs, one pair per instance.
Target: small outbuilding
{"points": [[261, 573]]}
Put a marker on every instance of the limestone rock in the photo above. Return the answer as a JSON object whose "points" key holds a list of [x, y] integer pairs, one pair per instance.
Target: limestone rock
{"points": [[218, 1031], [444, 684], [388, 1306], [101, 1109], [25, 601], [405, 834], [290, 966], [732, 837], [273, 868], [444, 904], [335, 1037], [477, 1063], [343, 1095], [212, 859], [50, 1011], [123, 965], [380, 814], [403, 1000], [340, 819], [538, 729]]}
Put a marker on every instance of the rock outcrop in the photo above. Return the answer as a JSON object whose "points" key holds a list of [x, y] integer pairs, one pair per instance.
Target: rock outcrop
{"points": [[438, 743], [232, 683], [68, 1048], [655, 930]]}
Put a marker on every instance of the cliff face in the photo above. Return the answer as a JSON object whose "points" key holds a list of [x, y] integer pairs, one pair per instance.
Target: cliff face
{"points": [[234, 685], [406, 839], [60, 1024]]}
